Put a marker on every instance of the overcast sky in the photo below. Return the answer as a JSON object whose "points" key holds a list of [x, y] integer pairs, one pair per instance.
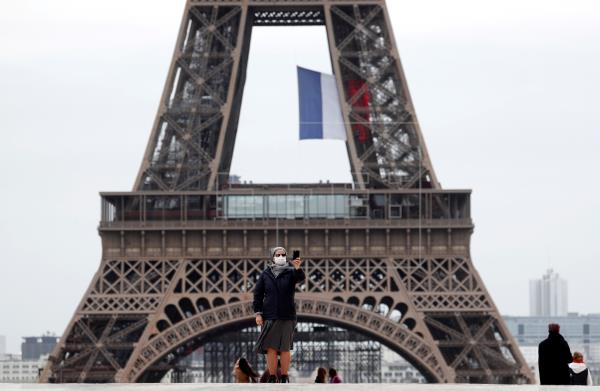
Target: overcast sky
{"points": [[507, 93]]}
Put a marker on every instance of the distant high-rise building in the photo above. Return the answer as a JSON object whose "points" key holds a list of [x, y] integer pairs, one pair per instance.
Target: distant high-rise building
{"points": [[2, 346], [33, 348], [548, 295]]}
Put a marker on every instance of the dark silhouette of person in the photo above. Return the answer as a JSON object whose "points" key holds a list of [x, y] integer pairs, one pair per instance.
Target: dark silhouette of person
{"points": [[580, 373], [334, 377], [321, 376], [554, 357], [275, 311]]}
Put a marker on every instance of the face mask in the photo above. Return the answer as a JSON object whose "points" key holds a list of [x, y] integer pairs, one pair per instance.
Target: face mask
{"points": [[279, 261]]}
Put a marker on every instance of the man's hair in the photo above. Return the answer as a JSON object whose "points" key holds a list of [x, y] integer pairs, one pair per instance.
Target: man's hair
{"points": [[554, 327], [577, 356]]}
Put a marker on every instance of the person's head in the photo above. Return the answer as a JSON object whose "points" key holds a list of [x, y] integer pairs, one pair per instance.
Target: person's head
{"points": [[322, 373], [554, 328], [577, 357], [279, 256], [332, 372]]}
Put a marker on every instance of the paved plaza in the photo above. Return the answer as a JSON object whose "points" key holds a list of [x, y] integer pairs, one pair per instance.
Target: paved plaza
{"points": [[291, 387]]}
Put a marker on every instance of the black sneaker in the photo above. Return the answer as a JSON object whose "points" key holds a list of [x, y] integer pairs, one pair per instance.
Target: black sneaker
{"points": [[272, 379], [284, 379]]}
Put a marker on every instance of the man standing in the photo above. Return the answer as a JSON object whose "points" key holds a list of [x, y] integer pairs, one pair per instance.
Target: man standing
{"points": [[554, 357]]}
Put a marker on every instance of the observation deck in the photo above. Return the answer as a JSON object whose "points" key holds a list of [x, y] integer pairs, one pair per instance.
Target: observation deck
{"points": [[289, 206]]}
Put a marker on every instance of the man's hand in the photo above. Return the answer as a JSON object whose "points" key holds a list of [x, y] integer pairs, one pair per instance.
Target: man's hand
{"points": [[297, 262], [259, 320]]}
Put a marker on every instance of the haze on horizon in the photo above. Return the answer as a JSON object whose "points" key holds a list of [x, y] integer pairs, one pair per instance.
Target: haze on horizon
{"points": [[507, 94]]}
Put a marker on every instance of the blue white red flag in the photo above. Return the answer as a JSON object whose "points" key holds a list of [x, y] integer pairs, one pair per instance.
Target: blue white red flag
{"points": [[320, 111]]}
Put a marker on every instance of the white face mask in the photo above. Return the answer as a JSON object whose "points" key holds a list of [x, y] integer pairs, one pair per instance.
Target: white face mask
{"points": [[279, 260]]}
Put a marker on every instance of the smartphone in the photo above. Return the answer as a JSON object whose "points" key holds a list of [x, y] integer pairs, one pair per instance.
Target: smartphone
{"points": [[295, 254]]}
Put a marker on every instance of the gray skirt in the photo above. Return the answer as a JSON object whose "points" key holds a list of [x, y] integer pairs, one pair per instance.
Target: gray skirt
{"points": [[276, 334]]}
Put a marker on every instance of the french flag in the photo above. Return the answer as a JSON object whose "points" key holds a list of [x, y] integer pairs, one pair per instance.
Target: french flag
{"points": [[320, 111]]}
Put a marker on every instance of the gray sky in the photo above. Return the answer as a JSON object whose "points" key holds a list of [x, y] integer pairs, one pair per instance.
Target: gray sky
{"points": [[507, 93]]}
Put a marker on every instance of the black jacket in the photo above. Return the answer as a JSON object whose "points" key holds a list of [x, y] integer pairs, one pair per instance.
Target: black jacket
{"points": [[274, 296], [554, 356]]}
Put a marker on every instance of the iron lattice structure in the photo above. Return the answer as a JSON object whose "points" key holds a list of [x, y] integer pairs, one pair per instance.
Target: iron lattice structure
{"points": [[387, 256]]}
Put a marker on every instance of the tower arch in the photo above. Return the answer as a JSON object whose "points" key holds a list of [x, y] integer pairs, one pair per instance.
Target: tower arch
{"points": [[395, 336]]}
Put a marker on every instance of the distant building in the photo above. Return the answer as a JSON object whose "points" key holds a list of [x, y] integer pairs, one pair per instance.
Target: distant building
{"points": [[395, 369], [582, 332], [26, 367], [33, 348], [15, 370], [548, 295], [2, 346]]}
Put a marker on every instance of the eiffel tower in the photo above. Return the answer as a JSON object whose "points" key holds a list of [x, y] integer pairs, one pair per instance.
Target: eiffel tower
{"points": [[387, 256]]}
